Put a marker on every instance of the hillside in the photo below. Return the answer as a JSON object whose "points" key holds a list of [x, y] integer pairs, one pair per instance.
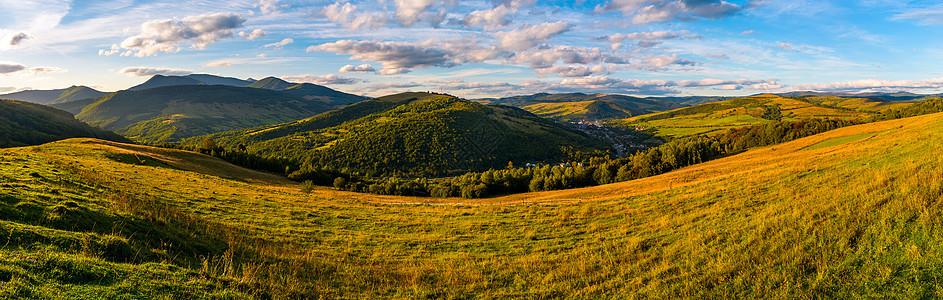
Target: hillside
{"points": [[586, 110], [172, 113], [624, 102], [272, 83], [416, 134], [753, 110], [54, 96], [736, 227], [25, 123], [157, 81]]}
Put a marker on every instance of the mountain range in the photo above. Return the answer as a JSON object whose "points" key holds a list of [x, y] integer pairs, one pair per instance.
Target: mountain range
{"points": [[170, 108]]}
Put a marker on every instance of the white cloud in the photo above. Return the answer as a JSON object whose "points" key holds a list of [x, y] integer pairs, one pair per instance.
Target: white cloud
{"points": [[391, 87], [221, 63], [281, 43], [408, 12], [252, 35], [364, 68], [7, 68], [329, 79], [7, 89], [528, 36], [923, 16], [395, 57], [646, 39], [168, 34], [650, 11], [268, 7], [496, 17], [874, 85], [148, 71], [345, 14], [46, 70]]}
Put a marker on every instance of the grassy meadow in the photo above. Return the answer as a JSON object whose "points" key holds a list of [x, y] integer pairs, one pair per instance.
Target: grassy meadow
{"points": [[716, 117], [851, 213]]}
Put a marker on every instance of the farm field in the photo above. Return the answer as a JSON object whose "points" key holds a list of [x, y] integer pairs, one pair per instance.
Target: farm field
{"points": [[849, 213]]}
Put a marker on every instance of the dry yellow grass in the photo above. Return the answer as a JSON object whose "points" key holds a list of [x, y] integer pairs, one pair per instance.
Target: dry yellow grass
{"points": [[850, 213]]}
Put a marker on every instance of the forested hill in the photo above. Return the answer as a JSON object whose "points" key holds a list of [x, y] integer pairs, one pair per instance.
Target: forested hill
{"points": [[172, 113], [421, 134], [54, 96], [23, 123]]}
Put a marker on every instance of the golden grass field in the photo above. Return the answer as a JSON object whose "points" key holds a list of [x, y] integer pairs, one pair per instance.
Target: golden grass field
{"points": [[850, 213]]}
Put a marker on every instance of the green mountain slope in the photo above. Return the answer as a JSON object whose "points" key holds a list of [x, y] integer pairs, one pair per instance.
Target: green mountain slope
{"points": [[161, 81], [573, 106], [416, 134], [213, 79], [753, 110], [271, 83], [591, 110], [54, 96], [175, 112], [851, 213], [24, 123]]}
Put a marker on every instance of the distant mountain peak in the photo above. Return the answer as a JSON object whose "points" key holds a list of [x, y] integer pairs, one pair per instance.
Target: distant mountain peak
{"points": [[272, 83]]}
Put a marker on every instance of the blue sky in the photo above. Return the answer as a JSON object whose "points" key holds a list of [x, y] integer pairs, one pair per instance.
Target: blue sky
{"points": [[482, 48]]}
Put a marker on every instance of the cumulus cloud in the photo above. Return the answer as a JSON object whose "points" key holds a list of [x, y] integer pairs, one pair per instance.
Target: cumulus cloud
{"points": [[281, 43], [496, 17], [148, 71], [329, 79], [650, 11], [528, 36], [547, 57], [18, 39], [395, 57], [874, 85], [45, 70], [408, 12], [663, 60], [576, 70], [7, 68], [346, 15], [169, 34], [252, 35], [364, 68], [268, 7]]}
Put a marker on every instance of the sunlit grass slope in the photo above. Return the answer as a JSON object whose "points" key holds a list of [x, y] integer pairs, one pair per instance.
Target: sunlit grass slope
{"points": [[755, 110], [851, 213]]}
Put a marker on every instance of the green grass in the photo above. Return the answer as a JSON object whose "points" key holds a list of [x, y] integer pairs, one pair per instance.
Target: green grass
{"points": [[860, 220], [840, 141]]}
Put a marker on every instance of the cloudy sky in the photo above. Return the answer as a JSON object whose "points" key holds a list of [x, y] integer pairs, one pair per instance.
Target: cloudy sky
{"points": [[482, 48]]}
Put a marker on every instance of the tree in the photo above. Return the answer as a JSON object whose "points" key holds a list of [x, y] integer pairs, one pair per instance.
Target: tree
{"points": [[209, 144], [340, 183]]}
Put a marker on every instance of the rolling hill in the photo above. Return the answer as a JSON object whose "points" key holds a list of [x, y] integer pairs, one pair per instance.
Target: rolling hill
{"points": [[170, 108], [851, 213], [54, 96], [574, 106], [172, 113], [192, 79], [25, 123], [416, 134], [753, 110]]}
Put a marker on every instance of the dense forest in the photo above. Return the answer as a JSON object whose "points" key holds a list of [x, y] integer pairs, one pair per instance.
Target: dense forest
{"points": [[25, 123], [580, 171], [414, 134]]}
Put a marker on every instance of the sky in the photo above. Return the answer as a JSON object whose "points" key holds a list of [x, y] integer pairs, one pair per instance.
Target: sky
{"points": [[479, 49]]}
